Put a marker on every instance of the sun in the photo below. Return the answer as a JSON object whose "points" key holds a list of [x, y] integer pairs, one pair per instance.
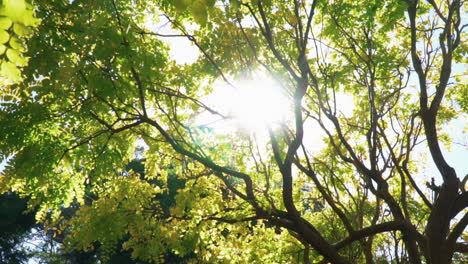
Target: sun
{"points": [[252, 104], [258, 104]]}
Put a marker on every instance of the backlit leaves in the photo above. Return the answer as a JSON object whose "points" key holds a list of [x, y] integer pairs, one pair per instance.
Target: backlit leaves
{"points": [[124, 205], [16, 20], [100, 90]]}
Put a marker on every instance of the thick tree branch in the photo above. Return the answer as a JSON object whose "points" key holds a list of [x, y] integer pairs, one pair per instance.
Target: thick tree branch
{"points": [[377, 229]]}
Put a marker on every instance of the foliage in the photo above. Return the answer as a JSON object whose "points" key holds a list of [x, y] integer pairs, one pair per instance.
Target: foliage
{"points": [[16, 23], [97, 81], [23, 240], [14, 227]]}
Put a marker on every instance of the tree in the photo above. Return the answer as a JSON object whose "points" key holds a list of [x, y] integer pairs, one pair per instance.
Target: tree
{"points": [[99, 81], [14, 227], [22, 240]]}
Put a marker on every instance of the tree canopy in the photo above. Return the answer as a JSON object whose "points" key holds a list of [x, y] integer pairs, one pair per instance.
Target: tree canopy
{"points": [[14, 226], [88, 86]]}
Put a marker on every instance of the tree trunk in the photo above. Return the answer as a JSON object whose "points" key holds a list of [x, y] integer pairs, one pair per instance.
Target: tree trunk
{"points": [[438, 226]]}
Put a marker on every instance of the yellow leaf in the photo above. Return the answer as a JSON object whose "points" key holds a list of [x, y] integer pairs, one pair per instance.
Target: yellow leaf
{"points": [[16, 44], [19, 12], [16, 58], [4, 36], [14, 9], [21, 30], [10, 71], [5, 23]]}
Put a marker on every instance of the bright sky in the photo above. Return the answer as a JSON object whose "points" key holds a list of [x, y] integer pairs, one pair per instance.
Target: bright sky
{"points": [[181, 48]]}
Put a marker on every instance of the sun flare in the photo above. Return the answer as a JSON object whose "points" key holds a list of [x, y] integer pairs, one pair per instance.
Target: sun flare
{"points": [[250, 105], [257, 104]]}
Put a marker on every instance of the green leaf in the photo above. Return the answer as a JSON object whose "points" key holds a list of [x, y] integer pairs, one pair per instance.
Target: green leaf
{"points": [[181, 5], [102, 86], [16, 44], [18, 11], [5, 23], [2, 49], [21, 30], [199, 12], [4, 36], [15, 57], [10, 71], [235, 4], [14, 9], [210, 3]]}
